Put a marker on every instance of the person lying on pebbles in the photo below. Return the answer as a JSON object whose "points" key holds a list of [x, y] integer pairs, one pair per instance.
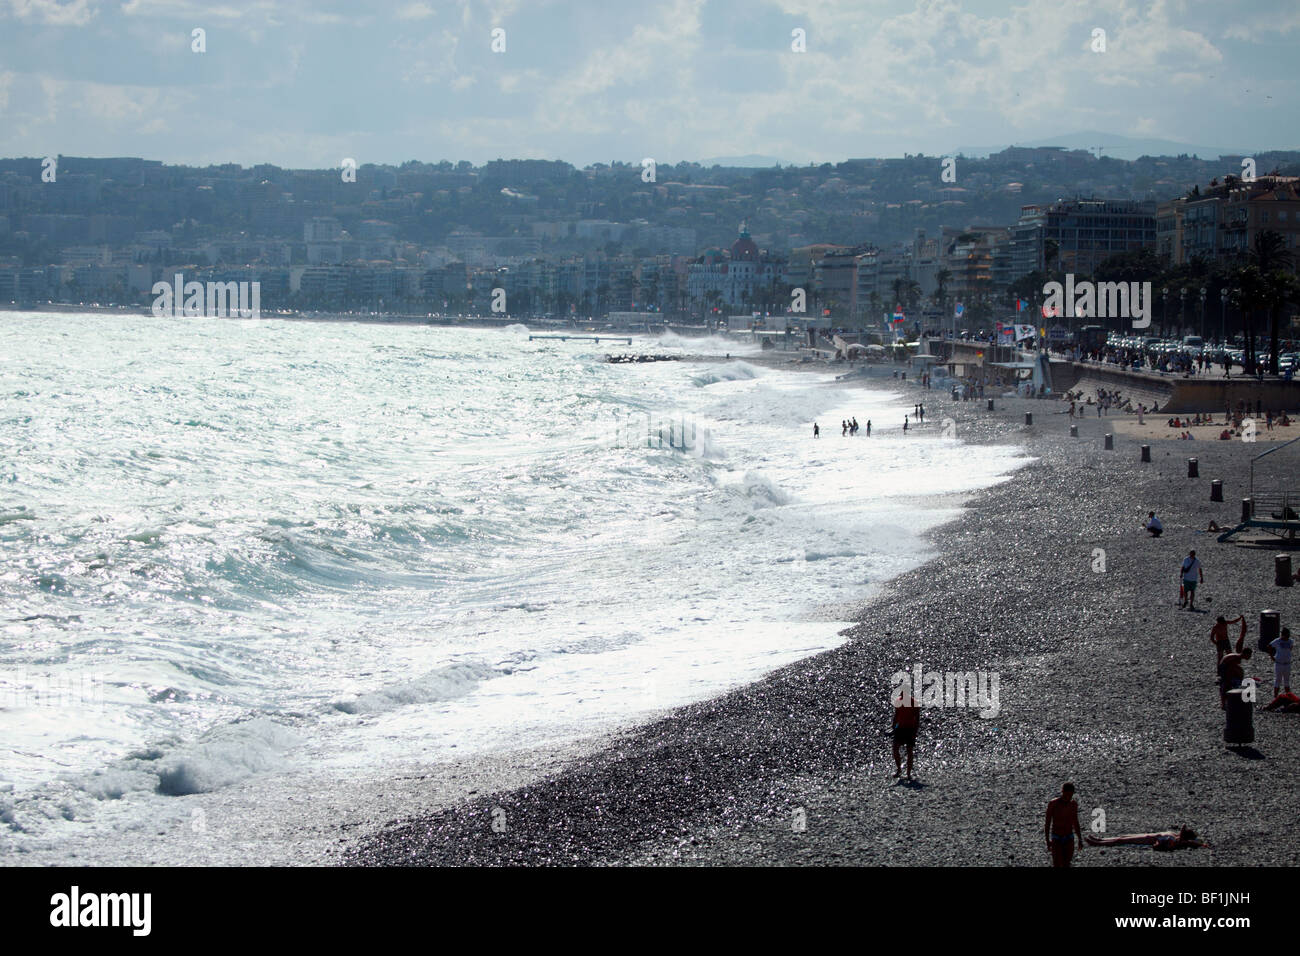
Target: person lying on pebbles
{"points": [[1182, 838]]}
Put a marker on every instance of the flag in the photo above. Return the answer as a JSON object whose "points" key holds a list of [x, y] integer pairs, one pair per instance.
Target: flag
{"points": [[959, 310], [1022, 304], [898, 316], [1024, 332]]}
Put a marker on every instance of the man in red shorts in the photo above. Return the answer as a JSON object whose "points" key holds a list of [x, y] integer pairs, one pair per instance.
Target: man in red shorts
{"points": [[907, 721], [1062, 826]]}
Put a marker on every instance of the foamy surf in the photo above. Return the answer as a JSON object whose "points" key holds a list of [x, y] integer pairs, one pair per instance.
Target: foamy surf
{"points": [[459, 546]]}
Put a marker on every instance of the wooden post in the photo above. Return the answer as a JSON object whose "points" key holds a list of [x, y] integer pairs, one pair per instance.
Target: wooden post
{"points": [[1110, 442], [1247, 508], [1216, 490], [1193, 468], [1074, 431], [1029, 418], [990, 404], [1146, 452]]}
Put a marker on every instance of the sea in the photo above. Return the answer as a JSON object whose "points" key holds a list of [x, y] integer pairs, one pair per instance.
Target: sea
{"points": [[237, 555]]}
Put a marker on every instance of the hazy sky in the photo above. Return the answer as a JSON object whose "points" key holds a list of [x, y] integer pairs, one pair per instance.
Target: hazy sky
{"points": [[304, 84]]}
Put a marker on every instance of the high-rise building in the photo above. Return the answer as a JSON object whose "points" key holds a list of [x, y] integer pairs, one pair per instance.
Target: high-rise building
{"points": [[1082, 232]]}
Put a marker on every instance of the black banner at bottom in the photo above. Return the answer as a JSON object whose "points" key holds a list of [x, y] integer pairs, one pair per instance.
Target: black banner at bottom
{"points": [[302, 906]]}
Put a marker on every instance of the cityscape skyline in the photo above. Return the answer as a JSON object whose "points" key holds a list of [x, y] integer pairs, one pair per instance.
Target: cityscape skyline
{"points": [[681, 80]]}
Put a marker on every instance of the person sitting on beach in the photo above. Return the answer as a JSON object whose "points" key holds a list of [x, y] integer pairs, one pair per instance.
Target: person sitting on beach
{"points": [[1182, 838], [1219, 636], [1225, 435], [1153, 525], [1061, 826], [907, 722]]}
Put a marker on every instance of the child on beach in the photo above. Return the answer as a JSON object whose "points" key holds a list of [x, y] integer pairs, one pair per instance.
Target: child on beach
{"points": [[1153, 525], [1281, 651]]}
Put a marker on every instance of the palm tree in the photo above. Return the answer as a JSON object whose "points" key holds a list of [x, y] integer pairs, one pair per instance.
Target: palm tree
{"points": [[941, 294], [1051, 253], [1254, 295], [1270, 255], [906, 292]]}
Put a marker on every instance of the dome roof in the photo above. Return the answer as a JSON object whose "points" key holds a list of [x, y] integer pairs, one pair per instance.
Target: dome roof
{"points": [[744, 249]]}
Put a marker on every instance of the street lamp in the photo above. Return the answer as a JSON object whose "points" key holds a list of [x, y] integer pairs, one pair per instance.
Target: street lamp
{"points": [[1202, 315], [1182, 308], [1223, 317], [1164, 312]]}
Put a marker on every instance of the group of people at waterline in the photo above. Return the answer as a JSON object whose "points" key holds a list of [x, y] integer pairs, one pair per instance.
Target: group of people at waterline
{"points": [[850, 427]]}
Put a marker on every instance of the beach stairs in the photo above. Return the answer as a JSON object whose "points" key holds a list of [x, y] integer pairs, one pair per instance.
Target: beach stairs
{"points": [[1276, 514], [1127, 391]]}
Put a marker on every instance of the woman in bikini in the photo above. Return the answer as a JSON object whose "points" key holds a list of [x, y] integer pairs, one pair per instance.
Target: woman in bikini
{"points": [[1182, 838]]}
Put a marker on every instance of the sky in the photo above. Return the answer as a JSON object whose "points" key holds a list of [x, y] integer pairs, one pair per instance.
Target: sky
{"points": [[305, 84]]}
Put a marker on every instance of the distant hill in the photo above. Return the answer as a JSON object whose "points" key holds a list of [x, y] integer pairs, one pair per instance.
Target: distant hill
{"points": [[1121, 147], [750, 159]]}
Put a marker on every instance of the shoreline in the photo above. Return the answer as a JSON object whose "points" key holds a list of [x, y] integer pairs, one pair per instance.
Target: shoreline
{"points": [[1103, 681]]}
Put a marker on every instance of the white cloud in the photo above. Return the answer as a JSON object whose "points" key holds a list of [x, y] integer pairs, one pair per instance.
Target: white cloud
{"points": [[73, 13]]}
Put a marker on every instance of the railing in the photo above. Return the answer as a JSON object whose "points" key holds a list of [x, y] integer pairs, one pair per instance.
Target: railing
{"points": [[1277, 506]]}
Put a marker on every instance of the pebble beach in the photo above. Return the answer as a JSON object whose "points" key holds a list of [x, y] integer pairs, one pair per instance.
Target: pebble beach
{"points": [[1047, 581]]}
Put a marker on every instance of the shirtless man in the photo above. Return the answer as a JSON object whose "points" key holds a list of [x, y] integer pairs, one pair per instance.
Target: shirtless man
{"points": [[1182, 838], [1219, 635], [907, 721], [1232, 672], [1061, 827]]}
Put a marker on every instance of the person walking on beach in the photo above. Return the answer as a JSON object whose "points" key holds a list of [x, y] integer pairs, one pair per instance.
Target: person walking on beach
{"points": [[1061, 827], [1219, 635], [868, 427], [817, 432], [1192, 575], [1281, 650], [907, 721], [844, 427], [1153, 525], [853, 427], [904, 424], [922, 414]]}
